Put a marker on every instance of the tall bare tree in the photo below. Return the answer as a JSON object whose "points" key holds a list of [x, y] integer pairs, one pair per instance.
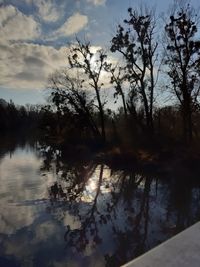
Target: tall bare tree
{"points": [[92, 65], [183, 61], [135, 41]]}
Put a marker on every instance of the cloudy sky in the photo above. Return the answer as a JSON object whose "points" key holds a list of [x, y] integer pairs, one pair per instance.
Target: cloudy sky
{"points": [[34, 35]]}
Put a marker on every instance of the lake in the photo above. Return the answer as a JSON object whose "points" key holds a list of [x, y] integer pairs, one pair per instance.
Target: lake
{"points": [[55, 211]]}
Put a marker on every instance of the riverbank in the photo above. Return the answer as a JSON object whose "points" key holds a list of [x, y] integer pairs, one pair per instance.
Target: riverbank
{"points": [[162, 160]]}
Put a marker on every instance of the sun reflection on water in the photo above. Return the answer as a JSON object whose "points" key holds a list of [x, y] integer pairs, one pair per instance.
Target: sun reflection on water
{"points": [[92, 186], [98, 183]]}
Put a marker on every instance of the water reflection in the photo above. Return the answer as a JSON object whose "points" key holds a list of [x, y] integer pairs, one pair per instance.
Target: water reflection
{"points": [[123, 214], [56, 211]]}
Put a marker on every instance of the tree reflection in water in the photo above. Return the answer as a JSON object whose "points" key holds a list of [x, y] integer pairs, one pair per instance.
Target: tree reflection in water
{"points": [[122, 214]]}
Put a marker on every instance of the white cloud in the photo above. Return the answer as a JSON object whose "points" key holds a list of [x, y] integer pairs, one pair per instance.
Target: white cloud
{"points": [[74, 24], [27, 66], [97, 2], [48, 11], [16, 26]]}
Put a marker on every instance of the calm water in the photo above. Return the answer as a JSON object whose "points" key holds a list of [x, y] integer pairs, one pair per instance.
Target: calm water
{"points": [[100, 217]]}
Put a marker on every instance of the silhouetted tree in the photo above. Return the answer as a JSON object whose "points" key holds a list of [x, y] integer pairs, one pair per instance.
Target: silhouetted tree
{"points": [[92, 64], [117, 78], [135, 41], [182, 59], [68, 95]]}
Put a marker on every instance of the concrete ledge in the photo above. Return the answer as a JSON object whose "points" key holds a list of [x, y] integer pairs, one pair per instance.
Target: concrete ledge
{"points": [[182, 250]]}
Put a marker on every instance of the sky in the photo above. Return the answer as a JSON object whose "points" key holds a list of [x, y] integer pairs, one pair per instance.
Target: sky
{"points": [[35, 36]]}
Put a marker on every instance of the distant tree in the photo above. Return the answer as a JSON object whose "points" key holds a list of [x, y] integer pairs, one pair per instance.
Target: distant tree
{"points": [[135, 41], [13, 115], [183, 62], [3, 115], [17, 117], [92, 65]]}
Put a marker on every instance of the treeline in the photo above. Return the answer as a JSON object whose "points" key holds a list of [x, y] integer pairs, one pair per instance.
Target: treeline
{"points": [[146, 67], [16, 118]]}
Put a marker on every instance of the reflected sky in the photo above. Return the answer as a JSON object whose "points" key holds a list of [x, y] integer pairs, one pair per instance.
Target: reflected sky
{"points": [[26, 226], [101, 217]]}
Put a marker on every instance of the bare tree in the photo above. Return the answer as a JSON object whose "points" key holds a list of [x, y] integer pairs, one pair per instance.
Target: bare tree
{"points": [[67, 93], [118, 78], [92, 65], [182, 59], [135, 41]]}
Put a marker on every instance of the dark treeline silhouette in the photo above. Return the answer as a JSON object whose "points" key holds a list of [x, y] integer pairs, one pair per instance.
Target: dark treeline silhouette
{"points": [[16, 118], [25, 120]]}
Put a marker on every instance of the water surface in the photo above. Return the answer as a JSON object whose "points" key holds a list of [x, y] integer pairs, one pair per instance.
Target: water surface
{"points": [[100, 217]]}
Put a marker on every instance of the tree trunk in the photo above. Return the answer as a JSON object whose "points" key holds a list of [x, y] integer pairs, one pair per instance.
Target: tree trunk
{"points": [[124, 103], [151, 96], [187, 122], [101, 112], [187, 113]]}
